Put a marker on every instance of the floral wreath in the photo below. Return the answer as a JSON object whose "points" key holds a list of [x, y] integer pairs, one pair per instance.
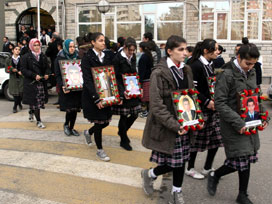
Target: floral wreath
{"points": [[211, 81]]}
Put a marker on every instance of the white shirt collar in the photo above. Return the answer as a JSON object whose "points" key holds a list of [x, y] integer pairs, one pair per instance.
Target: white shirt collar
{"points": [[16, 58], [238, 66], [205, 61], [99, 57], [123, 54], [170, 63]]}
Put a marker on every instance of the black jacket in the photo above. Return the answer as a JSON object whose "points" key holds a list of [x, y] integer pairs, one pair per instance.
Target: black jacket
{"points": [[70, 100], [144, 67], [201, 82], [258, 70], [30, 68], [6, 47], [89, 95], [121, 66]]}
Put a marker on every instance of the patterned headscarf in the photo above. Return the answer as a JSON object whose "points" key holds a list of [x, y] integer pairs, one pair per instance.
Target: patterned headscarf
{"points": [[66, 53]]}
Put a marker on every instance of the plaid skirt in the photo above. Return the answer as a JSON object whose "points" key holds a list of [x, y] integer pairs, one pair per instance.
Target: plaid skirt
{"points": [[40, 98], [146, 85], [241, 163], [178, 158], [120, 110], [210, 136], [101, 122]]}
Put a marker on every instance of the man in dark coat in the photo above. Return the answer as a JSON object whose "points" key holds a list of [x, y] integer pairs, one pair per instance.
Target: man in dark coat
{"points": [[149, 37], [188, 113], [251, 114], [6, 45]]}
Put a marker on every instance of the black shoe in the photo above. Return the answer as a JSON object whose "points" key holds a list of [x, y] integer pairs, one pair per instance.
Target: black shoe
{"points": [[242, 198], [212, 184], [20, 107], [126, 146], [74, 132], [14, 110], [67, 130], [57, 103]]}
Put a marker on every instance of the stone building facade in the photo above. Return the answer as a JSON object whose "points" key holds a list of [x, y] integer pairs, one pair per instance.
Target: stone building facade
{"points": [[199, 19]]}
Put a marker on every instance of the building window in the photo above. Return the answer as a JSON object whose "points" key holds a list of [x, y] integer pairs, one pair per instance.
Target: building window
{"points": [[133, 20], [234, 19]]}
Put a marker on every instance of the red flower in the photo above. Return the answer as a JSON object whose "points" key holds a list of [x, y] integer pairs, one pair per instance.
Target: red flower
{"points": [[99, 93], [125, 84], [176, 101], [134, 96], [246, 109], [246, 92], [137, 77], [266, 113], [212, 93], [257, 90], [262, 97], [139, 83], [184, 92], [198, 127], [201, 120], [193, 127], [186, 128], [116, 90], [135, 73], [243, 95], [191, 91], [196, 92], [260, 128], [175, 93], [180, 111], [117, 96], [127, 91], [247, 133], [68, 85], [113, 73], [253, 131], [114, 84], [198, 111], [66, 80], [113, 78], [264, 117], [214, 78], [243, 115], [199, 101], [180, 120], [250, 92]]}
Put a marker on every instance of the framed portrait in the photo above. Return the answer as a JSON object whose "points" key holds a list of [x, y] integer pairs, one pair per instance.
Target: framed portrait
{"points": [[251, 110], [211, 83], [188, 109], [132, 85], [71, 74], [105, 84]]}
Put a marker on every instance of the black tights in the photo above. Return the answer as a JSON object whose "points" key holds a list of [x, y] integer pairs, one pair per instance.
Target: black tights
{"points": [[17, 101], [209, 160], [36, 113], [125, 123], [178, 173], [97, 130], [243, 176], [70, 119]]}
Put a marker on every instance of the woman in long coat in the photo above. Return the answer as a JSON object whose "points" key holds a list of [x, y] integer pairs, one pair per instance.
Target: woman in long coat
{"points": [[70, 101], [35, 69], [15, 78]]}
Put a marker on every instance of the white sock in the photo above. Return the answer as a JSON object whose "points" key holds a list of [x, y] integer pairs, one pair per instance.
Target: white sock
{"points": [[99, 150], [212, 173], [176, 189], [151, 173]]}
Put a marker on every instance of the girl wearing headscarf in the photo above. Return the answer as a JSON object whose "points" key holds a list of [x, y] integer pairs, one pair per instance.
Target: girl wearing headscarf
{"points": [[70, 101], [35, 68]]}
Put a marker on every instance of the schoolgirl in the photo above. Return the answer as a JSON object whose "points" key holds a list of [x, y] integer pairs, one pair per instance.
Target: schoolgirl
{"points": [[209, 138], [125, 63], [70, 101], [16, 79], [163, 134], [35, 69], [93, 110], [241, 150]]}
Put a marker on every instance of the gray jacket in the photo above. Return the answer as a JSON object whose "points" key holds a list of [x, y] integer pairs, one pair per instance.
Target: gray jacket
{"points": [[229, 83]]}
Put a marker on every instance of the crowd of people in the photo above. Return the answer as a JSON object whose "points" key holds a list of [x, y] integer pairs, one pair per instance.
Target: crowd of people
{"points": [[174, 66]]}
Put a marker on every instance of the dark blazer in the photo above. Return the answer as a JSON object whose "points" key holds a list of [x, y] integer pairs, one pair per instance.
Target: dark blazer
{"points": [[70, 100], [186, 117], [256, 116], [218, 62], [202, 86], [6, 47], [144, 67], [258, 70], [89, 95], [121, 66], [30, 68]]}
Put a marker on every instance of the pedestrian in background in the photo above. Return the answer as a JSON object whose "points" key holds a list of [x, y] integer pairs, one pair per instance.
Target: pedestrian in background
{"points": [[15, 78], [69, 100], [35, 69]]}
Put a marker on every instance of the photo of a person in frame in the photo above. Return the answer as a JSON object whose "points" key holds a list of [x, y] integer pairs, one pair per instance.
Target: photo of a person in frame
{"points": [[133, 86], [105, 84], [74, 76], [187, 105], [252, 114]]}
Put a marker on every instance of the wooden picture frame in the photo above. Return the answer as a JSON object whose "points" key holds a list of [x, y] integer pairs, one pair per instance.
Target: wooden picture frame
{"points": [[106, 85], [251, 110], [71, 74], [132, 85], [211, 84], [189, 114]]}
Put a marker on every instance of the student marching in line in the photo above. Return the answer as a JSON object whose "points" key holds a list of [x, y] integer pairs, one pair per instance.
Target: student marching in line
{"points": [[209, 138], [241, 150], [35, 69], [163, 134], [93, 110], [125, 63], [70, 101], [16, 78]]}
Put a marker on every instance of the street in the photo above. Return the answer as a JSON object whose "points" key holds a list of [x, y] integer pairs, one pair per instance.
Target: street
{"points": [[47, 167]]}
